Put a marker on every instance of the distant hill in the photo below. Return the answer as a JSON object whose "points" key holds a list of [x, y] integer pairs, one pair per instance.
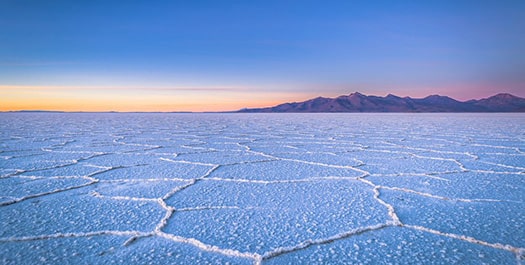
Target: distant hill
{"points": [[357, 102]]}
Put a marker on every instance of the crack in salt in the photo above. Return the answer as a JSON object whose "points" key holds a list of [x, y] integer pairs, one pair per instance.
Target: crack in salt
{"points": [[517, 251], [391, 211], [35, 195], [210, 248], [199, 146], [72, 234], [311, 179], [310, 242], [442, 197]]}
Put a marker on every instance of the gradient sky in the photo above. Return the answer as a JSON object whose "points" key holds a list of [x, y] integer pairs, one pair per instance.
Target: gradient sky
{"points": [[224, 55]]}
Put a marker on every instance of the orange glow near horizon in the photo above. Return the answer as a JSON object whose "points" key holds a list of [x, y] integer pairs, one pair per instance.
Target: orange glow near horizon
{"points": [[13, 98], [194, 99]]}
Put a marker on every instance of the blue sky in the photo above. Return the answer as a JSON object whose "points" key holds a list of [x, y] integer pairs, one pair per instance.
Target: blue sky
{"points": [[241, 51]]}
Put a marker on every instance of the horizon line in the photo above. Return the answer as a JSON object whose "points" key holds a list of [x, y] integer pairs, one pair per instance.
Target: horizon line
{"points": [[241, 109]]}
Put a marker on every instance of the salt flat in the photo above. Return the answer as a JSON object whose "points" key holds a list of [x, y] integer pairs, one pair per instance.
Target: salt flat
{"points": [[116, 188]]}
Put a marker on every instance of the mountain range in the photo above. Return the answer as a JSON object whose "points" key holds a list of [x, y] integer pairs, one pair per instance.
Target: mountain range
{"points": [[357, 102]]}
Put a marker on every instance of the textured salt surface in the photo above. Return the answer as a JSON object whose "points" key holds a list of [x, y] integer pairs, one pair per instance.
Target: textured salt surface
{"points": [[262, 189]]}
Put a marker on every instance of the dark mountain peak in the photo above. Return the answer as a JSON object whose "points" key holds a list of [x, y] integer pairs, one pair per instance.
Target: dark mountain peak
{"points": [[503, 96], [439, 98], [356, 94], [352, 97], [357, 102], [435, 96], [392, 96], [502, 102]]}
